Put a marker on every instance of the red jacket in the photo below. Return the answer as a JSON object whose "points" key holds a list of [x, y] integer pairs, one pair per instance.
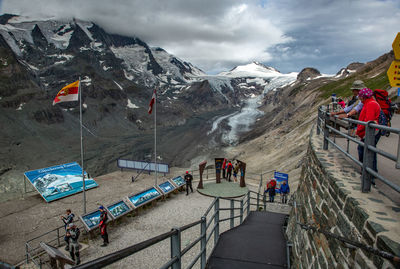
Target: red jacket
{"points": [[370, 111]]}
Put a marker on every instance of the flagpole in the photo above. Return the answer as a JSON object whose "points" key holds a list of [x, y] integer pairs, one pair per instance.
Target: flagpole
{"points": [[83, 173], [155, 134]]}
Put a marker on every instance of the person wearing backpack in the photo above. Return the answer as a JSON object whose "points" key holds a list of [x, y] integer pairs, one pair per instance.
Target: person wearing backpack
{"points": [[229, 169], [370, 112]]}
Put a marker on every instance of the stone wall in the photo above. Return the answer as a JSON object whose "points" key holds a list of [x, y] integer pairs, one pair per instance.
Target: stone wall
{"points": [[329, 197]]}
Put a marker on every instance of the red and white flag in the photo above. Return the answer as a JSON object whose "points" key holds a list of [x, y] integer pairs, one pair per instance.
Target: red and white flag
{"points": [[68, 93], [153, 99]]}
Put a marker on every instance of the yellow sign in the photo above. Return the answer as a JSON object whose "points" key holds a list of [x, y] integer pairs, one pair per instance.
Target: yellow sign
{"points": [[396, 47], [394, 74]]}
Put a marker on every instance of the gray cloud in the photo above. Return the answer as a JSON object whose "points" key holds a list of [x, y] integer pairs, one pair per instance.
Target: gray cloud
{"points": [[217, 35]]}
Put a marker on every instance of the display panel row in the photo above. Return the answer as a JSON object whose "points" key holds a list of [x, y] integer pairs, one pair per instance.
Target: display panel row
{"points": [[122, 207]]}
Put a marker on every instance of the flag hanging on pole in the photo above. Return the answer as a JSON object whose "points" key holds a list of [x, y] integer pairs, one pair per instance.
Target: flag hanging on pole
{"points": [[68, 93], [153, 99]]}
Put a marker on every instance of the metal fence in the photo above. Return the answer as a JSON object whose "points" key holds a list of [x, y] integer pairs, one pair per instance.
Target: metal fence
{"points": [[209, 228], [324, 122], [33, 251]]}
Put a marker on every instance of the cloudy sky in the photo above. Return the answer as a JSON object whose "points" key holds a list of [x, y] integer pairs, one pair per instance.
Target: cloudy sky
{"points": [[217, 35]]}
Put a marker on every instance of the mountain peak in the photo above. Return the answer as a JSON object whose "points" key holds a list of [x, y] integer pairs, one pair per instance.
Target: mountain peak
{"points": [[254, 69]]}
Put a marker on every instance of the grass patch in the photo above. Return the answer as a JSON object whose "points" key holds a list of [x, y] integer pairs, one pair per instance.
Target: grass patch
{"points": [[342, 87]]}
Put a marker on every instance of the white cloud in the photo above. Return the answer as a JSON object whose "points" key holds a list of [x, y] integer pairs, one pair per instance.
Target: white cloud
{"points": [[215, 35]]}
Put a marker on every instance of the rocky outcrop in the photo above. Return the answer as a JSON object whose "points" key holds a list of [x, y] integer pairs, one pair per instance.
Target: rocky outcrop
{"points": [[308, 73]]}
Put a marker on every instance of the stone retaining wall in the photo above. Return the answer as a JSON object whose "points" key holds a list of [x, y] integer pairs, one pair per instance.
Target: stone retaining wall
{"points": [[329, 197]]}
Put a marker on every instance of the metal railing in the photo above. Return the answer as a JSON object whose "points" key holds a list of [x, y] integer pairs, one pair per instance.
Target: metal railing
{"points": [[33, 251], [368, 144], [209, 227]]}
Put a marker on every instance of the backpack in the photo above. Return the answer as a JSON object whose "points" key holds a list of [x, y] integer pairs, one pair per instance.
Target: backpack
{"points": [[381, 96], [382, 120]]}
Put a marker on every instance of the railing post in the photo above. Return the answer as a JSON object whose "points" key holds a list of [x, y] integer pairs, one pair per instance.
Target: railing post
{"points": [[318, 121], [176, 248], [203, 243], [207, 172], [232, 214], [398, 154], [368, 158], [248, 203], [216, 221], [58, 237], [265, 201], [241, 211], [326, 130], [27, 253], [258, 201]]}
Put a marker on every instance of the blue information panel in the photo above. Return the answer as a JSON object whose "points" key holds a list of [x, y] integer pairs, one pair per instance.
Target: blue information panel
{"points": [[59, 181], [179, 181], [144, 197], [280, 177], [91, 220], [166, 187], [118, 209]]}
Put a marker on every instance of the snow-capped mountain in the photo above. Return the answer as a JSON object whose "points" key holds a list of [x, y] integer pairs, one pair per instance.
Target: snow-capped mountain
{"points": [[118, 74]]}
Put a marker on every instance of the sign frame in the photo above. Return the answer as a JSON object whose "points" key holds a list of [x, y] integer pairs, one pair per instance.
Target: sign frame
{"points": [[177, 182], [66, 175], [163, 190], [94, 213], [141, 194], [279, 177], [110, 211]]}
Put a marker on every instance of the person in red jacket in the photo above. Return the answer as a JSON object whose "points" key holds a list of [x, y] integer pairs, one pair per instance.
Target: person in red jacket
{"points": [[229, 169], [103, 226], [369, 112], [224, 168]]}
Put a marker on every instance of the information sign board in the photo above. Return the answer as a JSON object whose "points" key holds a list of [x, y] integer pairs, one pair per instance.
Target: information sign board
{"points": [[118, 209], [91, 220], [280, 177], [393, 74], [166, 187], [396, 47], [178, 181], [144, 197], [59, 181]]}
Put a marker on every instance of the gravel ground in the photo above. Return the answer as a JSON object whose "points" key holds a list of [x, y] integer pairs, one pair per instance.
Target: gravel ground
{"points": [[23, 219], [175, 211]]}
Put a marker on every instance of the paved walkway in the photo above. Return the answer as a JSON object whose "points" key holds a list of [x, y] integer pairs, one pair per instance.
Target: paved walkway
{"points": [[386, 167], [258, 242], [224, 189]]}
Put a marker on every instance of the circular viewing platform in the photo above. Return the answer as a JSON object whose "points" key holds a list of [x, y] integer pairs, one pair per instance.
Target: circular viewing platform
{"points": [[224, 189]]}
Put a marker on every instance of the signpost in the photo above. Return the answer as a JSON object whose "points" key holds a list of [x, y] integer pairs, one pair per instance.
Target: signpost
{"points": [[394, 74], [394, 69]]}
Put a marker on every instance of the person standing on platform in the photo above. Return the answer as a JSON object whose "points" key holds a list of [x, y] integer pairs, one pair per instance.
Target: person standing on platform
{"points": [[103, 225], [271, 189], [68, 219], [235, 171], [229, 169], [224, 169], [284, 192], [73, 233], [188, 179]]}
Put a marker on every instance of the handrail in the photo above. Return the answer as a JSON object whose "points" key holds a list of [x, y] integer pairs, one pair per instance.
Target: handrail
{"points": [[368, 144], [175, 261]]}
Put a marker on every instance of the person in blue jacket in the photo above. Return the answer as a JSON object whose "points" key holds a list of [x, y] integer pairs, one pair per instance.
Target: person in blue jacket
{"points": [[284, 191]]}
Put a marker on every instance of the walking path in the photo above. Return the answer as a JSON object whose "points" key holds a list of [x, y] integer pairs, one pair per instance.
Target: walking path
{"points": [[386, 167], [258, 242]]}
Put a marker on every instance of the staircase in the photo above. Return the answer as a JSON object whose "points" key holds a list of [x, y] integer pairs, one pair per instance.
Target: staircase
{"points": [[258, 242]]}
